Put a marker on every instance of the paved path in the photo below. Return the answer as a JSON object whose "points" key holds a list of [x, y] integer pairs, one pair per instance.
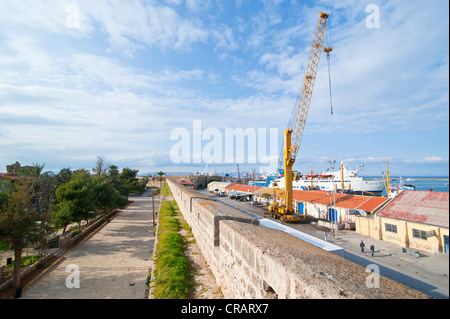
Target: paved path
{"points": [[113, 263]]}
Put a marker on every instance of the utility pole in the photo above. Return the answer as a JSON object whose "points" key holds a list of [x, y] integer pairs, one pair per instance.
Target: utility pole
{"points": [[153, 204], [335, 216]]}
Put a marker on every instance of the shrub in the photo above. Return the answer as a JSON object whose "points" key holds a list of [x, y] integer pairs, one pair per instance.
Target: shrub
{"points": [[172, 271], [74, 233]]}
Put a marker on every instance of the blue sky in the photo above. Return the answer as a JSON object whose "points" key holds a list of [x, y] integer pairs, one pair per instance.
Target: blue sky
{"points": [[81, 79]]}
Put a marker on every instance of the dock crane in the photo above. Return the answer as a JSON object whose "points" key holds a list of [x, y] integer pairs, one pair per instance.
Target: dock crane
{"points": [[293, 135]]}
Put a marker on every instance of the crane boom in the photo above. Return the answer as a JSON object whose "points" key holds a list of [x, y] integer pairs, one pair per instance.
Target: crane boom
{"points": [[308, 85], [293, 135]]}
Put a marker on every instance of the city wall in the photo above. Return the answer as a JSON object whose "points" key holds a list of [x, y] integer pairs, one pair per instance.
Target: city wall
{"points": [[249, 261]]}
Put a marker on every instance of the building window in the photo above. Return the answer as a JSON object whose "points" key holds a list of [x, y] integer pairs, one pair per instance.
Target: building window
{"points": [[419, 234], [390, 228]]}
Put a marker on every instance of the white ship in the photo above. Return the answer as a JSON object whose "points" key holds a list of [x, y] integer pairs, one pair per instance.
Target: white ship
{"points": [[329, 181]]}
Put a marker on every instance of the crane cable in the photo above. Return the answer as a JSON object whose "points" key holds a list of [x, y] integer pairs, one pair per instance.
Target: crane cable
{"points": [[329, 81], [327, 50]]}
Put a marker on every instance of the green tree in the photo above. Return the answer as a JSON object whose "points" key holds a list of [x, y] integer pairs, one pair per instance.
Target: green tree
{"points": [[45, 198], [127, 181], [100, 166], [6, 188], [113, 176], [106, 196], [17, 221], [160, 174], [64, 176], [43, 189], [80, 193], [63, 214], [160, 178]]}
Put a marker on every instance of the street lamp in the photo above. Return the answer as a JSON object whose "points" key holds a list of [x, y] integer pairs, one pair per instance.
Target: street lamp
{"points": [[334, 199]]}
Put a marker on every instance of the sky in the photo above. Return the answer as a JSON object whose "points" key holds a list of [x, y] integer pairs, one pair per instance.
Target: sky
{"points": [[158, 84]]}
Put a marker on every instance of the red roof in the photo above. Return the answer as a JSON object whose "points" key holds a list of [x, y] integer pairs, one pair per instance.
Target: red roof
{"points": [[185, 182], [244, 188], [367, 203], [424, 207], [14, 177]]}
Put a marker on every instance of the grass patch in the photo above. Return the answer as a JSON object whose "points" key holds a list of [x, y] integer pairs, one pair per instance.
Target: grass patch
{"points": [[166, 189], [172, 269], [25, 261], [5, 245]]}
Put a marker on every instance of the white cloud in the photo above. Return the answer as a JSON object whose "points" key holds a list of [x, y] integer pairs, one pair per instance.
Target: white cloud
{"points": [[198, 5], [381, 78], [130, 25], [434, 159], [174, 2], [225, 38], [134, 70]]}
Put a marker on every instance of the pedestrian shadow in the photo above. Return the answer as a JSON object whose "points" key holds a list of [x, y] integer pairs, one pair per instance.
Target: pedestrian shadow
{"points": [[379, 253]]}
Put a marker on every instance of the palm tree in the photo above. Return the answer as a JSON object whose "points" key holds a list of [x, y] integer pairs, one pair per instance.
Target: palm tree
{"points": [[160, 174]]}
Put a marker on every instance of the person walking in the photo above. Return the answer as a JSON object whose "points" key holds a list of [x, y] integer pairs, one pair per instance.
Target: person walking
{"points": [[362, 246], [372, 249]]}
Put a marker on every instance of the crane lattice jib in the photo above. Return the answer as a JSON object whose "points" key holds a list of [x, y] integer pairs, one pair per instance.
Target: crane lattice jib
{"points": [[310, 77]]}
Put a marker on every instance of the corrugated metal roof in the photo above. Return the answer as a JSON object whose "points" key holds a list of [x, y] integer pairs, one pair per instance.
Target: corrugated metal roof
{"points": [[424, 207]]}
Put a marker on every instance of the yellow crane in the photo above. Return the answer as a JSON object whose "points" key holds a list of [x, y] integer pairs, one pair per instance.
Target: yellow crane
{"points": [[293, 135]]}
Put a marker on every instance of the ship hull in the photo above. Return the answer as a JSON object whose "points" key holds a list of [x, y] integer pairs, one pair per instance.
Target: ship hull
{"points": [[354, 186], [346, 181]]}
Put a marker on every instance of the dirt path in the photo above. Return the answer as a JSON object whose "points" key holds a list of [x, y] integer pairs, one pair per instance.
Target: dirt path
{"points": [[205, 285]]}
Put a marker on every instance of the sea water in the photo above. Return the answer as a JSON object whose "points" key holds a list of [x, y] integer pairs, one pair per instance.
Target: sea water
{"points": [[423, 183]]}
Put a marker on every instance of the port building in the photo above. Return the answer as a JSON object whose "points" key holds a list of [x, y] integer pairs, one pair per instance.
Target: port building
{"points": [[417, 220], [218, 186], [328, 206]]}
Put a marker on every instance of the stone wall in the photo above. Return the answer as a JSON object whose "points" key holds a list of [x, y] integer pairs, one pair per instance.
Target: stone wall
{"points": [[250, 261]]}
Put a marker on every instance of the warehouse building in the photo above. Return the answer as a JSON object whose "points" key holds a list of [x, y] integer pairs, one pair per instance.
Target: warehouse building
{"points": [[218, 186], [327, 206], [414, 219]]}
